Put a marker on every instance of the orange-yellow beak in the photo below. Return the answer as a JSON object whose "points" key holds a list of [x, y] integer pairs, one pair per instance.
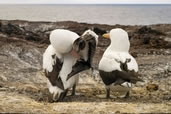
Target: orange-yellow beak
{"points": [[106, 35]]}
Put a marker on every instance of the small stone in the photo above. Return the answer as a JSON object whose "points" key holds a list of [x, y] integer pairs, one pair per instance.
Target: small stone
{"points": [[152, 87], [160, 69], [3, 78], [167, 39], [1, 84], [117, 112], [167, 52]]}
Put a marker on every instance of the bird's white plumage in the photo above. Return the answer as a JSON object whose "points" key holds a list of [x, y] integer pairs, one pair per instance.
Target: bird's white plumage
{"points": [[110, 61], [54, 89], [119, 88], [62, 40], [69, 61], [119, 41], [117, 51], [48, 61]]}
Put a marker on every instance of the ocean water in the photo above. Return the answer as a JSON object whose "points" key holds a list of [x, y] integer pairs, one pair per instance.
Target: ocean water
{"points": [[101, 14]]}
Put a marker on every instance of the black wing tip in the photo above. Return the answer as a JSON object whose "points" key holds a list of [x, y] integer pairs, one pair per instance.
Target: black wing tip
{"points": [[69, 76], [79, 67], [134, 81]]}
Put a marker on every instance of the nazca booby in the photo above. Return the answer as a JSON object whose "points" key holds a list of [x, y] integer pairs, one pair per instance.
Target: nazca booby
{"points": [[117, 68], [67, 55]]}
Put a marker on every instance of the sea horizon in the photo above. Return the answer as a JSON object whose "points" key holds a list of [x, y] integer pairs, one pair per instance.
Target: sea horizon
{"points": [[90, 4], [111, 14]]}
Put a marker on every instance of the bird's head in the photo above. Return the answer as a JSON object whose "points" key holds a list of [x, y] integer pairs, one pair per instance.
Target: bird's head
{"points": [[119, 40], [78, 45], [89, 36], [81, 45]]}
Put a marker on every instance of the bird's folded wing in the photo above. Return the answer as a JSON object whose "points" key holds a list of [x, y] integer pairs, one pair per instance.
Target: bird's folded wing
{"points": [[108, 77], [129, 76], [53, 76]]}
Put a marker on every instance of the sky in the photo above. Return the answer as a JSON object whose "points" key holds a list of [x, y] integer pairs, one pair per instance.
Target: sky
{"points": [[85, 1]]}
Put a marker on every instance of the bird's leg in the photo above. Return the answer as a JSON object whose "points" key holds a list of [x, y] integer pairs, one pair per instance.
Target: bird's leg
{"points": [[107, 93], [127, 94], [50, 98], [63, 95], [73, 90]]}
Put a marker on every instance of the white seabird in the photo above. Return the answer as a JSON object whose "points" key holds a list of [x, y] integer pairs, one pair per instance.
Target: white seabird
{"points": [[67, 55], [118, 68]]}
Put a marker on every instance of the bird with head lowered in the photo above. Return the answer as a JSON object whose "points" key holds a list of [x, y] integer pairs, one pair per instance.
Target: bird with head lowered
{"points": [[67, 55]]}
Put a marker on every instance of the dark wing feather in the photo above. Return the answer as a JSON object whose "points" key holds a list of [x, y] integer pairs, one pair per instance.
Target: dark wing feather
{"points": [[108, 77], [53, 76], [118, 77], [126, 74], [91, 42], [119, 81], [129, 76], [92, 49], [78, 67]]}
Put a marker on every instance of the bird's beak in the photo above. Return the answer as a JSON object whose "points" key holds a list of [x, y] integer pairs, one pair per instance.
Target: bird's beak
{"points": [[106, 35], [75, 54]]}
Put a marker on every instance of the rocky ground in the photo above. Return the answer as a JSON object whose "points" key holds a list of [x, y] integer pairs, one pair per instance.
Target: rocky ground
{"points": [[23, 84]]}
